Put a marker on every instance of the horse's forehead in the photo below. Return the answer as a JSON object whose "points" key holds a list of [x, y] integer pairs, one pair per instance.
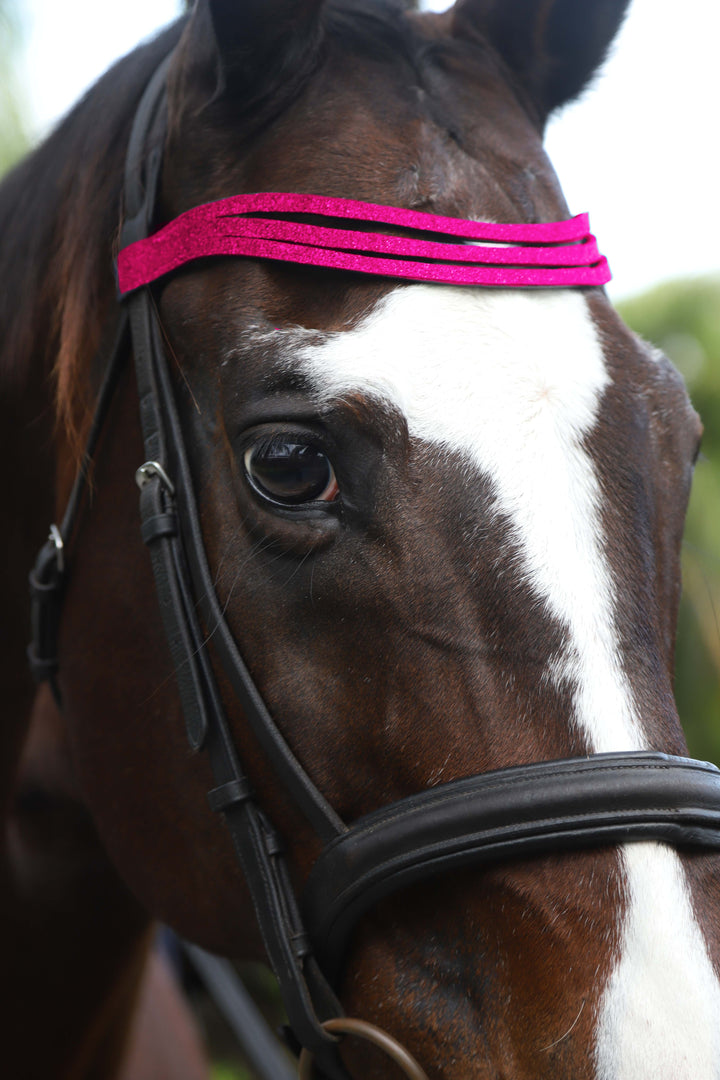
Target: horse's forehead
{"points": [[480, 371], [449, 357]]}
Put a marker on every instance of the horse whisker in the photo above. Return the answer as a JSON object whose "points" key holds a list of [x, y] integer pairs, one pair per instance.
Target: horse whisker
{"points": [[550, 1046]]}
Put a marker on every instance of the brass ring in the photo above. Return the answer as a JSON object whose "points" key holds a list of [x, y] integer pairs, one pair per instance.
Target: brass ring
{"points": [[344, 1025]]}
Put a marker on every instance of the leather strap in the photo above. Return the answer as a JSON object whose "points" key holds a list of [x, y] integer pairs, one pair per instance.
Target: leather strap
{"points": [[170, 527], [512, 813], [165, 443], [49, 573]]}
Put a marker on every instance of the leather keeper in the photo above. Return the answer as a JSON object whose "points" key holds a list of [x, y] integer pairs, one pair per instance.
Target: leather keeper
{"points": [[47, 585], [231, 794], [157, 526]]}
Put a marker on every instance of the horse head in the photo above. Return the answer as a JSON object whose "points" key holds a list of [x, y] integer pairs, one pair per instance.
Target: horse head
{"points": [[443, 525]]}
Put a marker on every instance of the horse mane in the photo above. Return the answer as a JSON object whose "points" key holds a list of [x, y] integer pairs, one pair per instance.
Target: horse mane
{"points": [[59, 214]]}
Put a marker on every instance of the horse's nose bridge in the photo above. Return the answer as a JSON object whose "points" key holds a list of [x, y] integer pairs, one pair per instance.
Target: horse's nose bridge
{"points": [[434, 584], [470, 612], [465, 627], [499, 575]]}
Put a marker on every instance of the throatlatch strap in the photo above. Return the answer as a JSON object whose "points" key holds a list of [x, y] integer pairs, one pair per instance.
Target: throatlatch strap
{"points": [[48, 575]]}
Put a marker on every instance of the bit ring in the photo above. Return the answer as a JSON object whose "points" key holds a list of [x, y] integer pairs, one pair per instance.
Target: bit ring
{"points": [[343, 1025]]}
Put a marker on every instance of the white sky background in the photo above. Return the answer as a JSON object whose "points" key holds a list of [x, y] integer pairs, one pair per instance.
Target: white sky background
{"points": [[640, 151]]}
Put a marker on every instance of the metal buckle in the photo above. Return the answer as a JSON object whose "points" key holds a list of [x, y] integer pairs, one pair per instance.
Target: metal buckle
{"points": [[56, 537], [153, 468]]}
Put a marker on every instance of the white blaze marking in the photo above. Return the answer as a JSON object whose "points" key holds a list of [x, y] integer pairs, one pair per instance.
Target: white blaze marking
{"points": [[512, 380], [660, 1013]]}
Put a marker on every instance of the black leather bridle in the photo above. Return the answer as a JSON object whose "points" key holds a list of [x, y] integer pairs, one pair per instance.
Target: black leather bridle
{"points": [[506, 814]]}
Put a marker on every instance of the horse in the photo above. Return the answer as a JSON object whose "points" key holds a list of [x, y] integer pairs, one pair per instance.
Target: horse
{"points": [[441, 524]]}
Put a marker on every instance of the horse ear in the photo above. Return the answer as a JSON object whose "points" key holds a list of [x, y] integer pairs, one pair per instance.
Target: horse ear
{"points": [[246, 48], [552, 46]]}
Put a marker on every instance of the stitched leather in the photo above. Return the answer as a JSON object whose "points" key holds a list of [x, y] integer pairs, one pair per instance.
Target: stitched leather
{"points": [[511, 813], [183, 635]]}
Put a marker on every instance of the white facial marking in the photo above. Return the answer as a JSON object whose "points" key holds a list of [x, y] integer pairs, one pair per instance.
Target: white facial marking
{"points": [[512, 380], [660, 1014]]}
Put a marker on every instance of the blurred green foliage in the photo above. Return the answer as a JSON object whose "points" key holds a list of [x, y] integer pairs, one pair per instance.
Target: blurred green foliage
{"points": [[13, 134], [683, 318], [230, 1072]]}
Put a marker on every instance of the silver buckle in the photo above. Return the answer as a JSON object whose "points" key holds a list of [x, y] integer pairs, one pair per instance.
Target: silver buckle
{"points": [[56, 537], [153, 468]]}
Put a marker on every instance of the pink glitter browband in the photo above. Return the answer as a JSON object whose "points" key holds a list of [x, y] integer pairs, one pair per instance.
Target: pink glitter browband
{"points": [[557, 253]]}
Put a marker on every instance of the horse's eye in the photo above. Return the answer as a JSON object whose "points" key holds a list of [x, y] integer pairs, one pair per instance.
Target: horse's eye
{"points": [[285, 470]]}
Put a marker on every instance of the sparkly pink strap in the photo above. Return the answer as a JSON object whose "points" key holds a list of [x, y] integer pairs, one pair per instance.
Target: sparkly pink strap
{"points": [[558, 253]]}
